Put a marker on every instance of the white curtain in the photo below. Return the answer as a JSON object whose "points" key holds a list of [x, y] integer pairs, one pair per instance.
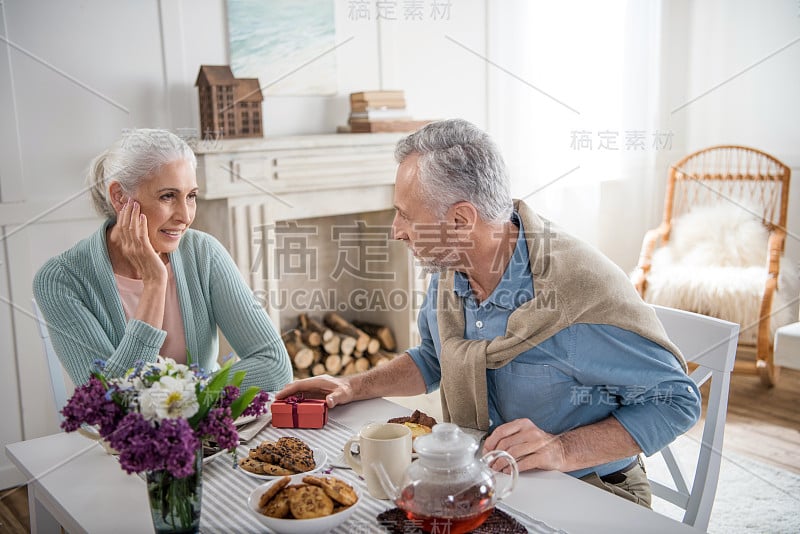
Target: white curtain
{"points": [[575, 102]]}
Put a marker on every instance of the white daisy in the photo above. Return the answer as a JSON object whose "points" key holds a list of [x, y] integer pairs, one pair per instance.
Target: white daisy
{"points": [[169, 398]]}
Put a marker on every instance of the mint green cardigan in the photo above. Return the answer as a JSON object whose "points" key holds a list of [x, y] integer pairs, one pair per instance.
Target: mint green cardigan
{"points": [[78, 296]]}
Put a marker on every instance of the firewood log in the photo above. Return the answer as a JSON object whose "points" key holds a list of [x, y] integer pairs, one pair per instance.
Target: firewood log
{"points": [[333, 364], [332, 346], [347, 345], [341, 325], [302, 373], [318, 369], [290, 335], [310, 338], [380, 332], [377, 359], [349, 369], [302, 357], [309, 324], [362, 364], [373, 346]]}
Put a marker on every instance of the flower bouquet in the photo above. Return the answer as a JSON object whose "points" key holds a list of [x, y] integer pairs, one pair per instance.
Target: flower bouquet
{"points": [[157, 415]]}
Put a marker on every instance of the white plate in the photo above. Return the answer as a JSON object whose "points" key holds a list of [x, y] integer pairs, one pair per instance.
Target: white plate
{"points": [[320, 458], [207, 459]]}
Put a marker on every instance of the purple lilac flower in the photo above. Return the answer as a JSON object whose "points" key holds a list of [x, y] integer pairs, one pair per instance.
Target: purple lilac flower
{"points": [[258, 405], [229, 394], [134, 438], [177, 446], [89, 405], [218, 424]]}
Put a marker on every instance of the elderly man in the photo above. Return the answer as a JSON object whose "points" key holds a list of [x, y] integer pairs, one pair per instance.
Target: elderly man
{"points": [[527, 332]]}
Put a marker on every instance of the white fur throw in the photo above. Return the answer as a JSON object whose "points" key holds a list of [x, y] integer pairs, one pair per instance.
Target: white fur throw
{"points": [[715, 264]]}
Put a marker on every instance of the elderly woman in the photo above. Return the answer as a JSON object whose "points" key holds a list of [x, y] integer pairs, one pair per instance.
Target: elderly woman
{"points": [[144, 284]]}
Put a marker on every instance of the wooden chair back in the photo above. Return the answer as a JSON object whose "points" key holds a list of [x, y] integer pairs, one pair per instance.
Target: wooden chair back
{"points": [[729, 173]]}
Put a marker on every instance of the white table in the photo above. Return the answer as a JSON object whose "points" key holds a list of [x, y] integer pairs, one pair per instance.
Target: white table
{"points": [[74, 482]]}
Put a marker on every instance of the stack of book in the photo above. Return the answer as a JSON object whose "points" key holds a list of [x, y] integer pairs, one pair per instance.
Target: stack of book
{"points": [[380, 111]]}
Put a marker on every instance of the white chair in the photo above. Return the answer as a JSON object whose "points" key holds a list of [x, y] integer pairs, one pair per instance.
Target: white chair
{"points": [[710, 344], [57, 384], [787, 346]]}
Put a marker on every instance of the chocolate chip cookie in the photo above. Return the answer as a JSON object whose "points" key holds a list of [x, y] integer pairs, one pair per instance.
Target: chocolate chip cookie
{"points": [[307, 502], [272, 491], [336, 489], [252, 465], [278, 506]]}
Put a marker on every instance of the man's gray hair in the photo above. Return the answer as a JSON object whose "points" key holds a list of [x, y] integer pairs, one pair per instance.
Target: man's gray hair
{"points": [[131, 160], [459, 162]]}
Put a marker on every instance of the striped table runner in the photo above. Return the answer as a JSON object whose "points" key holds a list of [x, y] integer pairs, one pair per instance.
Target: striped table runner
{"points": [[225, 489]]}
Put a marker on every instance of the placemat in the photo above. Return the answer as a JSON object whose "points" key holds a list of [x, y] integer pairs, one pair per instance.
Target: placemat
{"points": [[499, 522]]}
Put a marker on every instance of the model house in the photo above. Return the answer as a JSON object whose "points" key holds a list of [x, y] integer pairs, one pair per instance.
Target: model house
{"points": [[229, 107]]}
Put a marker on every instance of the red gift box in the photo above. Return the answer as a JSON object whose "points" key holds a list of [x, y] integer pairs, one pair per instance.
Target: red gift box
{"points": [[297, 412]]}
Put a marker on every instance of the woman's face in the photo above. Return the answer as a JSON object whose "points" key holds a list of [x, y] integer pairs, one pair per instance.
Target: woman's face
{"points": [[168, 200]]}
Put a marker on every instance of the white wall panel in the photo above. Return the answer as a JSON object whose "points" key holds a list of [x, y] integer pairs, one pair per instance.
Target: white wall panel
{"points": [[11, 418], [740, 58]]}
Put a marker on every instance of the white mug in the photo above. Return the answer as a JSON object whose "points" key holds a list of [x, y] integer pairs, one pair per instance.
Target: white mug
{"points": [[386, 443]]}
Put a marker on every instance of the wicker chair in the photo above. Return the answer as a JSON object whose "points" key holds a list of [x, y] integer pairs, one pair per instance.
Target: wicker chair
{"points": [[743, 176]]}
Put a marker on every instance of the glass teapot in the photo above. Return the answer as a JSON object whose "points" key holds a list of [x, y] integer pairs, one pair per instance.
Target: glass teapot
{"points": [[448, 487]]}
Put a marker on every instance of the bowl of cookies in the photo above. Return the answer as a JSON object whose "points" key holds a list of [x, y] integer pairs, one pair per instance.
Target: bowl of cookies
{"points": [[304, 504]]}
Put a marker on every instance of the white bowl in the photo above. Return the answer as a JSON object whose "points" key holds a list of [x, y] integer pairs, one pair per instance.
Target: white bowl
{"points": [[299, 526]]}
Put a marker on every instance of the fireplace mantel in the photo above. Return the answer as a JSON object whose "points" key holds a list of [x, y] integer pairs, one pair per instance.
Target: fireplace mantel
{"points": [[249, 185], [246, 167]]}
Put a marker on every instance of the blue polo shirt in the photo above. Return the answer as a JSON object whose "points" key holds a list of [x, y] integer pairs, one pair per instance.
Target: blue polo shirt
{"points": [[579, 376]]}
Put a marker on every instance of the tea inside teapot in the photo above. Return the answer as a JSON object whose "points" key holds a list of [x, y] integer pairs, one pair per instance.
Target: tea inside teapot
{"points": [[463, 511], [448, 489]]}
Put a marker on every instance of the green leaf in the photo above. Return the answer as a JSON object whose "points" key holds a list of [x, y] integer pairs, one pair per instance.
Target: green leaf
{"points": [[101, 377], [220, 378], [237, 379], [208, 397], [244, 400]]}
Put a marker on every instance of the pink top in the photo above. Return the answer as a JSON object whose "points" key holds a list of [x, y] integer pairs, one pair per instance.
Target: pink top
{"points": [[130, 291]]}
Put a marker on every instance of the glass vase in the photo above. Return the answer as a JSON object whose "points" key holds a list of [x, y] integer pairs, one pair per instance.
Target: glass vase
{"points": [[175, 502]]}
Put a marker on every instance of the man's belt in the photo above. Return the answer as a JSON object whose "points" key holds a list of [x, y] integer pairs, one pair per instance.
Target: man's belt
{"points": [[617, 477]]}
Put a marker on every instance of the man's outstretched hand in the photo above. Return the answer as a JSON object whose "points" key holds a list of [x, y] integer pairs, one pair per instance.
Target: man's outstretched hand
{"points": [[334, 390]]}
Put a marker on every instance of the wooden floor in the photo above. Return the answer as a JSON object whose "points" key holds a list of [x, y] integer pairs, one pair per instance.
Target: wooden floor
{"points": [[14, 517], [763, 424]]}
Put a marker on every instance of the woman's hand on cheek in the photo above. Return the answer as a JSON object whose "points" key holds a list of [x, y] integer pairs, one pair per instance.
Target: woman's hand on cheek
{"points": [[136, 244]]}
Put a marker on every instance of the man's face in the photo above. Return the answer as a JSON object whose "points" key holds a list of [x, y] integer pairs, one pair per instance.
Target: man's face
{"points": [[431, 239]]}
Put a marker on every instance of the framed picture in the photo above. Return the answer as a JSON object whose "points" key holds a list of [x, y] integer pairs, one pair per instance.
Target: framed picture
{"points": [[287, 44]]}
